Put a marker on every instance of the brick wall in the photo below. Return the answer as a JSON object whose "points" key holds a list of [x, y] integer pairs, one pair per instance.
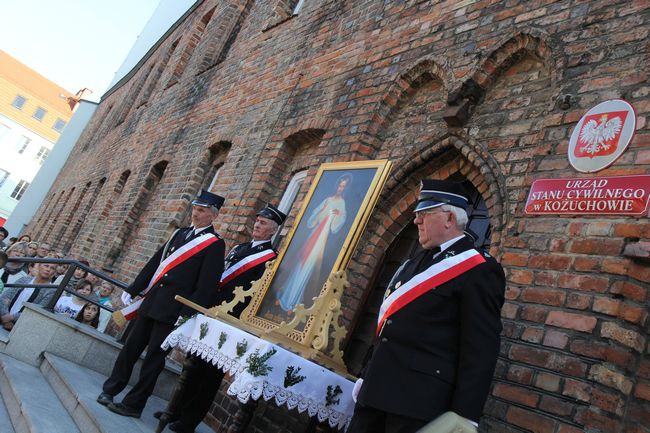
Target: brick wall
{"points": [[483, 89]]}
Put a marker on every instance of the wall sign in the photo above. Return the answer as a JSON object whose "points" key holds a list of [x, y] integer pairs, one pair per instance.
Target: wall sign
{"points": [[602, 135], [622, 195]]}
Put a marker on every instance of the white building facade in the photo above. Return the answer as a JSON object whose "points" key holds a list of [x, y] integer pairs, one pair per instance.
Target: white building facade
{"points": [[23, 154]]}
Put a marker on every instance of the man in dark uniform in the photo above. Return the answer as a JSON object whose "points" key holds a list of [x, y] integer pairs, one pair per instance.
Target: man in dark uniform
{"points": [[439, 325], [189, 264], [244, 264]]}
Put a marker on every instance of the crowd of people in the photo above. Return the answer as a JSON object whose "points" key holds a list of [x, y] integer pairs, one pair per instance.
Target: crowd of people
{"points": [[13, 299]]}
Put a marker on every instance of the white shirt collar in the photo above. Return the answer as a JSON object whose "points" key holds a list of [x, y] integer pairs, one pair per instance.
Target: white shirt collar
{"points": [[256, 243], [199, 230], [450, 242]]}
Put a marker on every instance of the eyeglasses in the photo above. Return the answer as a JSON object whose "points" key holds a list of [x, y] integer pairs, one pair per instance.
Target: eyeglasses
{"points": [[435, 210]]}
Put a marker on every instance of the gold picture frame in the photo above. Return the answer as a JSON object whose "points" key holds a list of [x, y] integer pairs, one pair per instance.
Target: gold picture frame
{"points": [[326, 231]]}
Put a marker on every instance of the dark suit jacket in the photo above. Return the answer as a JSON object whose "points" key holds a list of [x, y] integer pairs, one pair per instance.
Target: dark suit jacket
{"points": [[196, 279], [438, 353], [245, 280]]}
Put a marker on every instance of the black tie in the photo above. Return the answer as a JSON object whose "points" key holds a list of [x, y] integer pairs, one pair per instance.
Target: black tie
{"points": [[426, 258]]}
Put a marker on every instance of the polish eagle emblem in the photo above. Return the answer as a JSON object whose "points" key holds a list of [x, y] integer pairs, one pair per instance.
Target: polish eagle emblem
{"points": [[600, 134]]}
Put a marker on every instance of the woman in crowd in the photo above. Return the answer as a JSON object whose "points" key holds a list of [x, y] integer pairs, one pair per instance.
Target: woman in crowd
{"points": [[32, 247], [13, 271], [13, 299], [78, 275], [104, 292], [60, 268], [89, 315], [71, 305], [93, 279]]}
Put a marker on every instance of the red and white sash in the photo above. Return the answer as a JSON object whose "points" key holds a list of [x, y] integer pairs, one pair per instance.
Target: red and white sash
{"points": [[176, 258], [245, 264], [434, 276]]}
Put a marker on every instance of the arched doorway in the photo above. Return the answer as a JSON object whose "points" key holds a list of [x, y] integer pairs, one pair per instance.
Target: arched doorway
{"points": [[404, 246]]}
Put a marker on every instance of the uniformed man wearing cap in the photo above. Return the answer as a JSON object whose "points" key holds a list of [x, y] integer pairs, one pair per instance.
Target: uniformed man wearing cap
{"points": [[438, 331], [189, 264], [244, 264]]}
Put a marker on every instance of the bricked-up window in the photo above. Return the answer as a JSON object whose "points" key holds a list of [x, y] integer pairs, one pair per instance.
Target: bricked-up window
{"points": [[213, 165], [22, 143], [50, 223], [59, 124], [146, 192], [64, 228], [283, 10], [19, 102], [39, 113], [94, 135], [43, 152], [81, 216], [3, 176], [19, 190], [157, 72], [189, 48], [98, 226], [46, 214], [132, 96], [229, 22]]}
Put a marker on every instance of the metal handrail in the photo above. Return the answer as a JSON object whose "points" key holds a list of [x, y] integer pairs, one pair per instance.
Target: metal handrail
{"points": [[62, 286]]}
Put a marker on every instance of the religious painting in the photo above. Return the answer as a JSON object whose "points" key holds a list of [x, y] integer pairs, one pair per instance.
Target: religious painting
{"points": [[324, 235]]}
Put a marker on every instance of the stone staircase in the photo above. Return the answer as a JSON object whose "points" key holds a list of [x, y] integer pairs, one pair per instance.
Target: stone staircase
{"points": [[52, 393]]}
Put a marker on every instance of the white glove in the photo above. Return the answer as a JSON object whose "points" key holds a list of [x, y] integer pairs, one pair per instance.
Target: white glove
{"points": [[126, 298], [356, 389]]}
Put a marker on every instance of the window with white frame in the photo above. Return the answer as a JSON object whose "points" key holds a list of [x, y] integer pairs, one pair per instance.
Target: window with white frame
{"points": [[39, 113], [19, 102], [291, 192], [298, 6], [215, 179], [43, 152], [289, 197], [19, 190], [4, 174], [22, 144], [59, 124]]}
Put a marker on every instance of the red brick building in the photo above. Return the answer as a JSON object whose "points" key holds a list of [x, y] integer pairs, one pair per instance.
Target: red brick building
{"points": [[484, 91]]}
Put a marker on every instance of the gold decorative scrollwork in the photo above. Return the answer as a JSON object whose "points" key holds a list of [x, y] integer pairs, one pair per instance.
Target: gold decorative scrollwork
{"points": [[324, 314]]}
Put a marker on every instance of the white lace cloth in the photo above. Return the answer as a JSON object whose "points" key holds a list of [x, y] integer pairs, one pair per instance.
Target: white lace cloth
{"points": [[271, 379]]}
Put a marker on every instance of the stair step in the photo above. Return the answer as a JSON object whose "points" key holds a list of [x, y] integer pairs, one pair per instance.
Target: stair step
{"points": [[78, 387], [4, 339], [32, 405], [5, 422]]}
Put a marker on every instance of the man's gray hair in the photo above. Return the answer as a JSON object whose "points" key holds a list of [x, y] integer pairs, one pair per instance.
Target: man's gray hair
{"points": [[461, 215]]}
